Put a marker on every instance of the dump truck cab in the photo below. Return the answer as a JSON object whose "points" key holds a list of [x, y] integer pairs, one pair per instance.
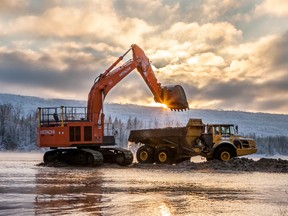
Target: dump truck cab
{"points": [[221, 131], [226, 143]]}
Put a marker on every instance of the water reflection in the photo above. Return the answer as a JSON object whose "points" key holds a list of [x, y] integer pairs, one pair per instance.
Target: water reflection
{"points": [[73, 191], [146, 192], [111, 190], [85, 191], [26, 189], [165, 209]]}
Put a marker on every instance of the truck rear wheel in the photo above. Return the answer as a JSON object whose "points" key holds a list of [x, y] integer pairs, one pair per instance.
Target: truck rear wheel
{"points": [[145, 154], [224, 153], [164, 155]]}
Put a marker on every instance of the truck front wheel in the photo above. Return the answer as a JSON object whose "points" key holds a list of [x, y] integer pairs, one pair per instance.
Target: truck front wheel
{"points": [[164, 155], [224, 153], [145, 154]]}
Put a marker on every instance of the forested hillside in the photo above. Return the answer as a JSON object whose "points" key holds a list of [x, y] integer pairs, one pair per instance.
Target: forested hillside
{"points": [[18, 122], [17, 131]]}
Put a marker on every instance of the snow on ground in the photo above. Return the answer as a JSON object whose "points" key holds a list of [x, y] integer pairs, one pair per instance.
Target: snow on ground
{"points": [[259, 156]]}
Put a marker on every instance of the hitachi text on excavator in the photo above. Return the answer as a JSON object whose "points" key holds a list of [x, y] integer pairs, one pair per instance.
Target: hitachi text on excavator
{"points": [[76, 134]]}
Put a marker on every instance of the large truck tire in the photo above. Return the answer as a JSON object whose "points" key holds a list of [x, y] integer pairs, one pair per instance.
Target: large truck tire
{"points": [[145, 154], [224, 153], [164, 155]]}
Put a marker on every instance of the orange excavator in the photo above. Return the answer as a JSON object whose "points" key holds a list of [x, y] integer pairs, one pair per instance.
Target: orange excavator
{"points": [[79, 135]]}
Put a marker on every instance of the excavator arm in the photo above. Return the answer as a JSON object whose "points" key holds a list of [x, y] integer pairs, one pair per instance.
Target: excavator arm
{"points": [[145, 69], [173, 96], [102, 85]]}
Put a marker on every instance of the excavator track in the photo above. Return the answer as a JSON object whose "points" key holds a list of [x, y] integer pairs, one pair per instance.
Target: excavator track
{"points": [[124, 157], [83, 157], [89, 157], [94, 157], [120, 156]]}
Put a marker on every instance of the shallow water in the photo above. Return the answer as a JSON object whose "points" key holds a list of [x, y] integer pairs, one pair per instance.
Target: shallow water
{"points": [[26, 189]]}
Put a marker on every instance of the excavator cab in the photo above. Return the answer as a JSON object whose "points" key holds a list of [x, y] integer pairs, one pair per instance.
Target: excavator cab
{"points": [[174, 97]]}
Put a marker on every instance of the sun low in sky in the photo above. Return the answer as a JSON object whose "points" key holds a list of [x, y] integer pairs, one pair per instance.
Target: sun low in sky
{"points": [[230, 54]]}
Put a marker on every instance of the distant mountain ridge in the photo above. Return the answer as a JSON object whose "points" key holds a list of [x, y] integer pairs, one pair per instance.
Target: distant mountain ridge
{"points": [[261, 124], [30, 103]]}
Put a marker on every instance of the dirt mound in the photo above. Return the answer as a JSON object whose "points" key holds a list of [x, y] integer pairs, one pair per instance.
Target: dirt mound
{"points": [[239, 164], [235, 164]]}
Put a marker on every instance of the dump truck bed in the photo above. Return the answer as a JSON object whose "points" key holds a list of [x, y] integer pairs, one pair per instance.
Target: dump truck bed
{"points": [[173, 136]]}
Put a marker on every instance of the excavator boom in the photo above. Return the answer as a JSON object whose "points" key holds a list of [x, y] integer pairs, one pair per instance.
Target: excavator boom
{"points": [[172, 96]]}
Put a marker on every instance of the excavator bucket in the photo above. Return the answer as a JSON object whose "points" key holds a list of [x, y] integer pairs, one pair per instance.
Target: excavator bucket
{"points": [[174, 97]]}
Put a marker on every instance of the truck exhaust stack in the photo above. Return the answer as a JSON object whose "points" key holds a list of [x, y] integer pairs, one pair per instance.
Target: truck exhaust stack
{"points": [[174, 97]]}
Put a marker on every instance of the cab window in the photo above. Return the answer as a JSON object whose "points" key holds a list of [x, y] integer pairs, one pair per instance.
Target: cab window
{"points": [[225, 130], [229, 129], [216, 130]]}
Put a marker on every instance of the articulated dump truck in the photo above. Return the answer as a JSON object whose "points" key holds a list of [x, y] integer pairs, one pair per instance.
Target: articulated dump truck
{"points": [[176, 144]]}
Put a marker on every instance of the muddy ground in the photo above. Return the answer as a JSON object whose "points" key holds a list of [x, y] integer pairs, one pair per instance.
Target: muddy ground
{"points": [[240, 164], [235, 164]]}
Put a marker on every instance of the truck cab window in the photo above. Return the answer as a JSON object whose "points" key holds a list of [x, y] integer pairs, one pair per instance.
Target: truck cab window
{"points": [[216, 130]]}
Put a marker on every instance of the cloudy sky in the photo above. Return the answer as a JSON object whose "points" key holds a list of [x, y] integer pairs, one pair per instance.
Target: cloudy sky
{"points": [[230, 54]]}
